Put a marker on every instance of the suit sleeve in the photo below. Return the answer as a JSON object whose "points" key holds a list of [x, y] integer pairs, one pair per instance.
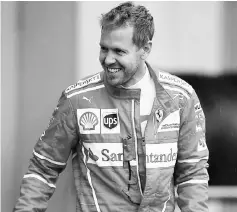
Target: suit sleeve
{"points": [[191, 176], [50, 156]]}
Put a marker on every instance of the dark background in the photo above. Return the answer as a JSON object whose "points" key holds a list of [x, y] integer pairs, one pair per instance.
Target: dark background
{"points": [[218, 96]]}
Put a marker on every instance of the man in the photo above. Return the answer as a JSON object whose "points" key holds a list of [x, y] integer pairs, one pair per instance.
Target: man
{"points": [[135, 133]]}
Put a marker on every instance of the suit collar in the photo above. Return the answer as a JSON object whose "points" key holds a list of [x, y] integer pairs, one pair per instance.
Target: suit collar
{"points": [[163, 99]]}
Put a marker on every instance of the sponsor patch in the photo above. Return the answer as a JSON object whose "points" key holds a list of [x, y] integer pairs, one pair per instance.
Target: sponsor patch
{"points": [[105, 154], [93, 156], [197, 107], [180, 96], [42, 135], [202, 144], [168, 78], [89, 120], [110, 121], [200, 116], [159, 115], [199, 128], [111, 154], [83, 83], [161, 155], [170, 123]]}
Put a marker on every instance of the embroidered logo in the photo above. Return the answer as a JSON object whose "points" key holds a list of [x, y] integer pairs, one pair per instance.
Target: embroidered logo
{"points": [[161, 155], [170, 123], [110, 121], [159, 115], [202, 144], [83, 83], [41, 137], [85, 98], [198, 128], [197, 107], [93, 156], [178, 95], [88, 121], [168, 78], [200, 116], [111, 154]]}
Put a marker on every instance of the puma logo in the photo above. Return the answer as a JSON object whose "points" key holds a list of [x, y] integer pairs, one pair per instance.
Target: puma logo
{"points": [[89, 100]]}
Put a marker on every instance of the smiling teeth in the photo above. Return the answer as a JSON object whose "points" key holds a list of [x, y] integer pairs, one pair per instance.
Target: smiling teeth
{"points": [[113, 70]]}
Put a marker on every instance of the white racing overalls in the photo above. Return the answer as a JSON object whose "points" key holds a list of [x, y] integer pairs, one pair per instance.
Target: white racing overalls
{"points": [[99, 124]]}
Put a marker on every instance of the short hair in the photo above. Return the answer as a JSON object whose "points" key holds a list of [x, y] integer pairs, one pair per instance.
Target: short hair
{"points": [[128, 14]]}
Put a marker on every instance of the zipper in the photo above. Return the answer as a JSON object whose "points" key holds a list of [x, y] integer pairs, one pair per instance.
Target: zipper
{"points": [[135, 137]]}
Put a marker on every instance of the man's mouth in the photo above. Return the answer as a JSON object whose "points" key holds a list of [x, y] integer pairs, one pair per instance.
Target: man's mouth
{"points": [[113, 70]]}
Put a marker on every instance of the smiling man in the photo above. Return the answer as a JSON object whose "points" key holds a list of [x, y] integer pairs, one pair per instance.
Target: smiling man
{"points": [[121, 59], [135, 133]]}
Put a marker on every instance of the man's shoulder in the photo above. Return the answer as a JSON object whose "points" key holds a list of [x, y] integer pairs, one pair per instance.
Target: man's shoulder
{"points": [[87, 82], [171, 81]]}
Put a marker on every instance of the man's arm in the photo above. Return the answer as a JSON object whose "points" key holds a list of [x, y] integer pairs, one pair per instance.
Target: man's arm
{"points": [[50, 156], [191, 176]]}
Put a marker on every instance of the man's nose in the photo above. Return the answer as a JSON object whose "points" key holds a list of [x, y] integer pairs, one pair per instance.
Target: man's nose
{"points": [[109, 59]]}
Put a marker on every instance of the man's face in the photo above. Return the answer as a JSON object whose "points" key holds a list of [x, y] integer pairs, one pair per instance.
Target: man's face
{"points": [[120, 58]]}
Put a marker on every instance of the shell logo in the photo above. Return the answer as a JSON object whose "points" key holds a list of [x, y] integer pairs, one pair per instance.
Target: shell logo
{"points": [[88, 121]]}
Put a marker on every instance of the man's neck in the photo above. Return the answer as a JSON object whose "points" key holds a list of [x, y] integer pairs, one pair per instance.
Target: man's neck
{"points": [[145, 77], [138, 78]]}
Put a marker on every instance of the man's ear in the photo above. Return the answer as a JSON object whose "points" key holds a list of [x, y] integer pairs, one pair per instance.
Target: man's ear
{"points": [[146, 50]]}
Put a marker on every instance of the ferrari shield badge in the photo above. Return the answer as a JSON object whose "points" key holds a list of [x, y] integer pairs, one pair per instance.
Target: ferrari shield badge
{"points": [[159, 115]]}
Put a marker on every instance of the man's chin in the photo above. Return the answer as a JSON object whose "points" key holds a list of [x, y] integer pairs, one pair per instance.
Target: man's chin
{"points": [[113, 82]]}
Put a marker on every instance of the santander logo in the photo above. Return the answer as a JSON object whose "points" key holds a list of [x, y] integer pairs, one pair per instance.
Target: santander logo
{"points": [[111, 154]]}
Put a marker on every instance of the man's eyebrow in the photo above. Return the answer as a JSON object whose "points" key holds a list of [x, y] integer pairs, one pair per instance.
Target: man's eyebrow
{"points": [[120, 49], [114, 49], [102, 45]]}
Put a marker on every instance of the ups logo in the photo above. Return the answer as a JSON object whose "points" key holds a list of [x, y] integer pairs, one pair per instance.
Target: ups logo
{"points": [[110, 121]]}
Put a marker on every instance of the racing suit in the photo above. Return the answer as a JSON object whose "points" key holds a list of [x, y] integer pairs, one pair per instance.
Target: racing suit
{"points": [[99, 124]]}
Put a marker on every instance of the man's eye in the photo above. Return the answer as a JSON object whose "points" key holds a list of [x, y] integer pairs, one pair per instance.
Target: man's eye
{"points": [[120, 52], [103, 49]]}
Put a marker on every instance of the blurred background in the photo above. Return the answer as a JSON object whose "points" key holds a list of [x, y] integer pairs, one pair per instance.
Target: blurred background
{"points": [[46, 46]]}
